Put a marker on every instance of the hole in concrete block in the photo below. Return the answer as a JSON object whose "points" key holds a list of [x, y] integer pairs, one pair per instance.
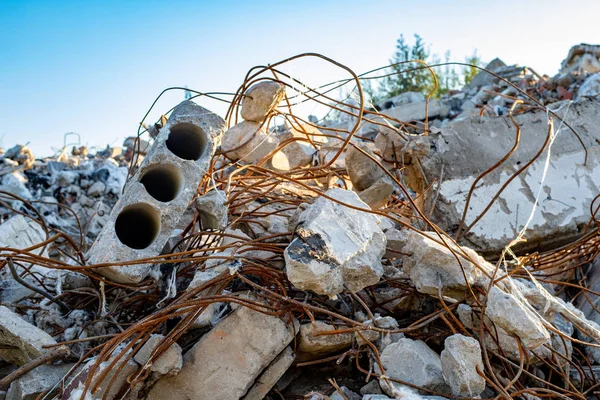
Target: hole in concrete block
{"points": [[137, 226], [187, 141], [163, 182]]}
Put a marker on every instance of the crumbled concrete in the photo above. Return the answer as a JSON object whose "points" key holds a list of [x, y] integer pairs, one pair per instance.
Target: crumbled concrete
{"points": [[568, 190], [508, 312], [414, 362], [347, 395], [378, 194], [265, 382], [336, 246], [315, 345], [38, 381], [179, 156], [256, 339], [170, 362], [396, 241], [300, 151], [433, 267], [249, 142], [460, 358], [261, 99], [363, 171], [212, 209], [100, 390], [591, 86], [20, 341]]}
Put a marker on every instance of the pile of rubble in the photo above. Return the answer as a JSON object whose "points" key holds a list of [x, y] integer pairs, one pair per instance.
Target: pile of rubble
{"points": [[421, 249]]}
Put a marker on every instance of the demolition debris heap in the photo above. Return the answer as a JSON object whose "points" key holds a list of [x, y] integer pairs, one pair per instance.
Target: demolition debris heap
{"points": [[419, 248]]}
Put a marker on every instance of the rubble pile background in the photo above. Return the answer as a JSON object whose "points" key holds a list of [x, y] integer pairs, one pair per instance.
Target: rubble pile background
{"points": [[418, 248]]}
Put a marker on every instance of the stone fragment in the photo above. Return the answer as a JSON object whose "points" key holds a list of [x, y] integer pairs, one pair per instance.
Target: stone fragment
{"points": [[255, 339], [432, 267], [396, 241], [261, 99], [347, 394], [20, 341], [363, 171], [212, 209], [371, 388], [378, 194], [107, 389], [96, 189], [300, 151], [414, 362], [38, 381], [508, 312], [336, 246], [310, 342], [170, 362], [265, 382], [248, 142], [460, 358], [591, 86]]}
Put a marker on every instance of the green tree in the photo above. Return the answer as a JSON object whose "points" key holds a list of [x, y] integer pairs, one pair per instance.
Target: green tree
{"points": [[402, 78], [469, 72]]}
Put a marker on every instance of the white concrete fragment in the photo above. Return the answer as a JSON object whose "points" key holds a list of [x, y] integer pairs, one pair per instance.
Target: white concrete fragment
{"points": [[312, 342], [261, 99], [514, 317], [336, 246], [249, 142], [414, 362], [37, 381], [20, 341], [265, 382], [432, 267], [590, 87], [363, 171], [212, 209], [253, 338], [170, 362], [460, 358]]}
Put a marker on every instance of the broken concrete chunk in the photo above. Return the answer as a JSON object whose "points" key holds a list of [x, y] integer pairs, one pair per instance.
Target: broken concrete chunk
{"points": [[432, 266], [256, 340], [108, 388], [300, 151], [563, 210], [591, 86], [363, 171], [414, 362], [38, 381], [249, 142], [514, 317], [20, 341], [158, 194], [378, 194], [169, 362], [347, 394], [212, 209], [460, 358], [336, 246], [261, 99], [97, 189], [265, 382], [20, 232], [396, 241], [310, 342]]}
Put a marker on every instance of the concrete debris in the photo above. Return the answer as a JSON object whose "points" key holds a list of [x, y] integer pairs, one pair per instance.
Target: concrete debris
{"points": [[460, 359], [453, 238], [261, 99], [20, 341], [43, 379], [169, 362], [336, 246], [248, 141], [425, 366], [212, 209], [314, 340], [237, 334]]}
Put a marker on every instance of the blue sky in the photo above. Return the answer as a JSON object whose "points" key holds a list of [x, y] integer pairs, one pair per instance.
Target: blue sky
{"points": [[94, 67]]}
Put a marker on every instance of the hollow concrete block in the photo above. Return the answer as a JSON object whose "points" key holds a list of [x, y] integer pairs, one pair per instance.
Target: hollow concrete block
{"points": [[158, 194]]}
